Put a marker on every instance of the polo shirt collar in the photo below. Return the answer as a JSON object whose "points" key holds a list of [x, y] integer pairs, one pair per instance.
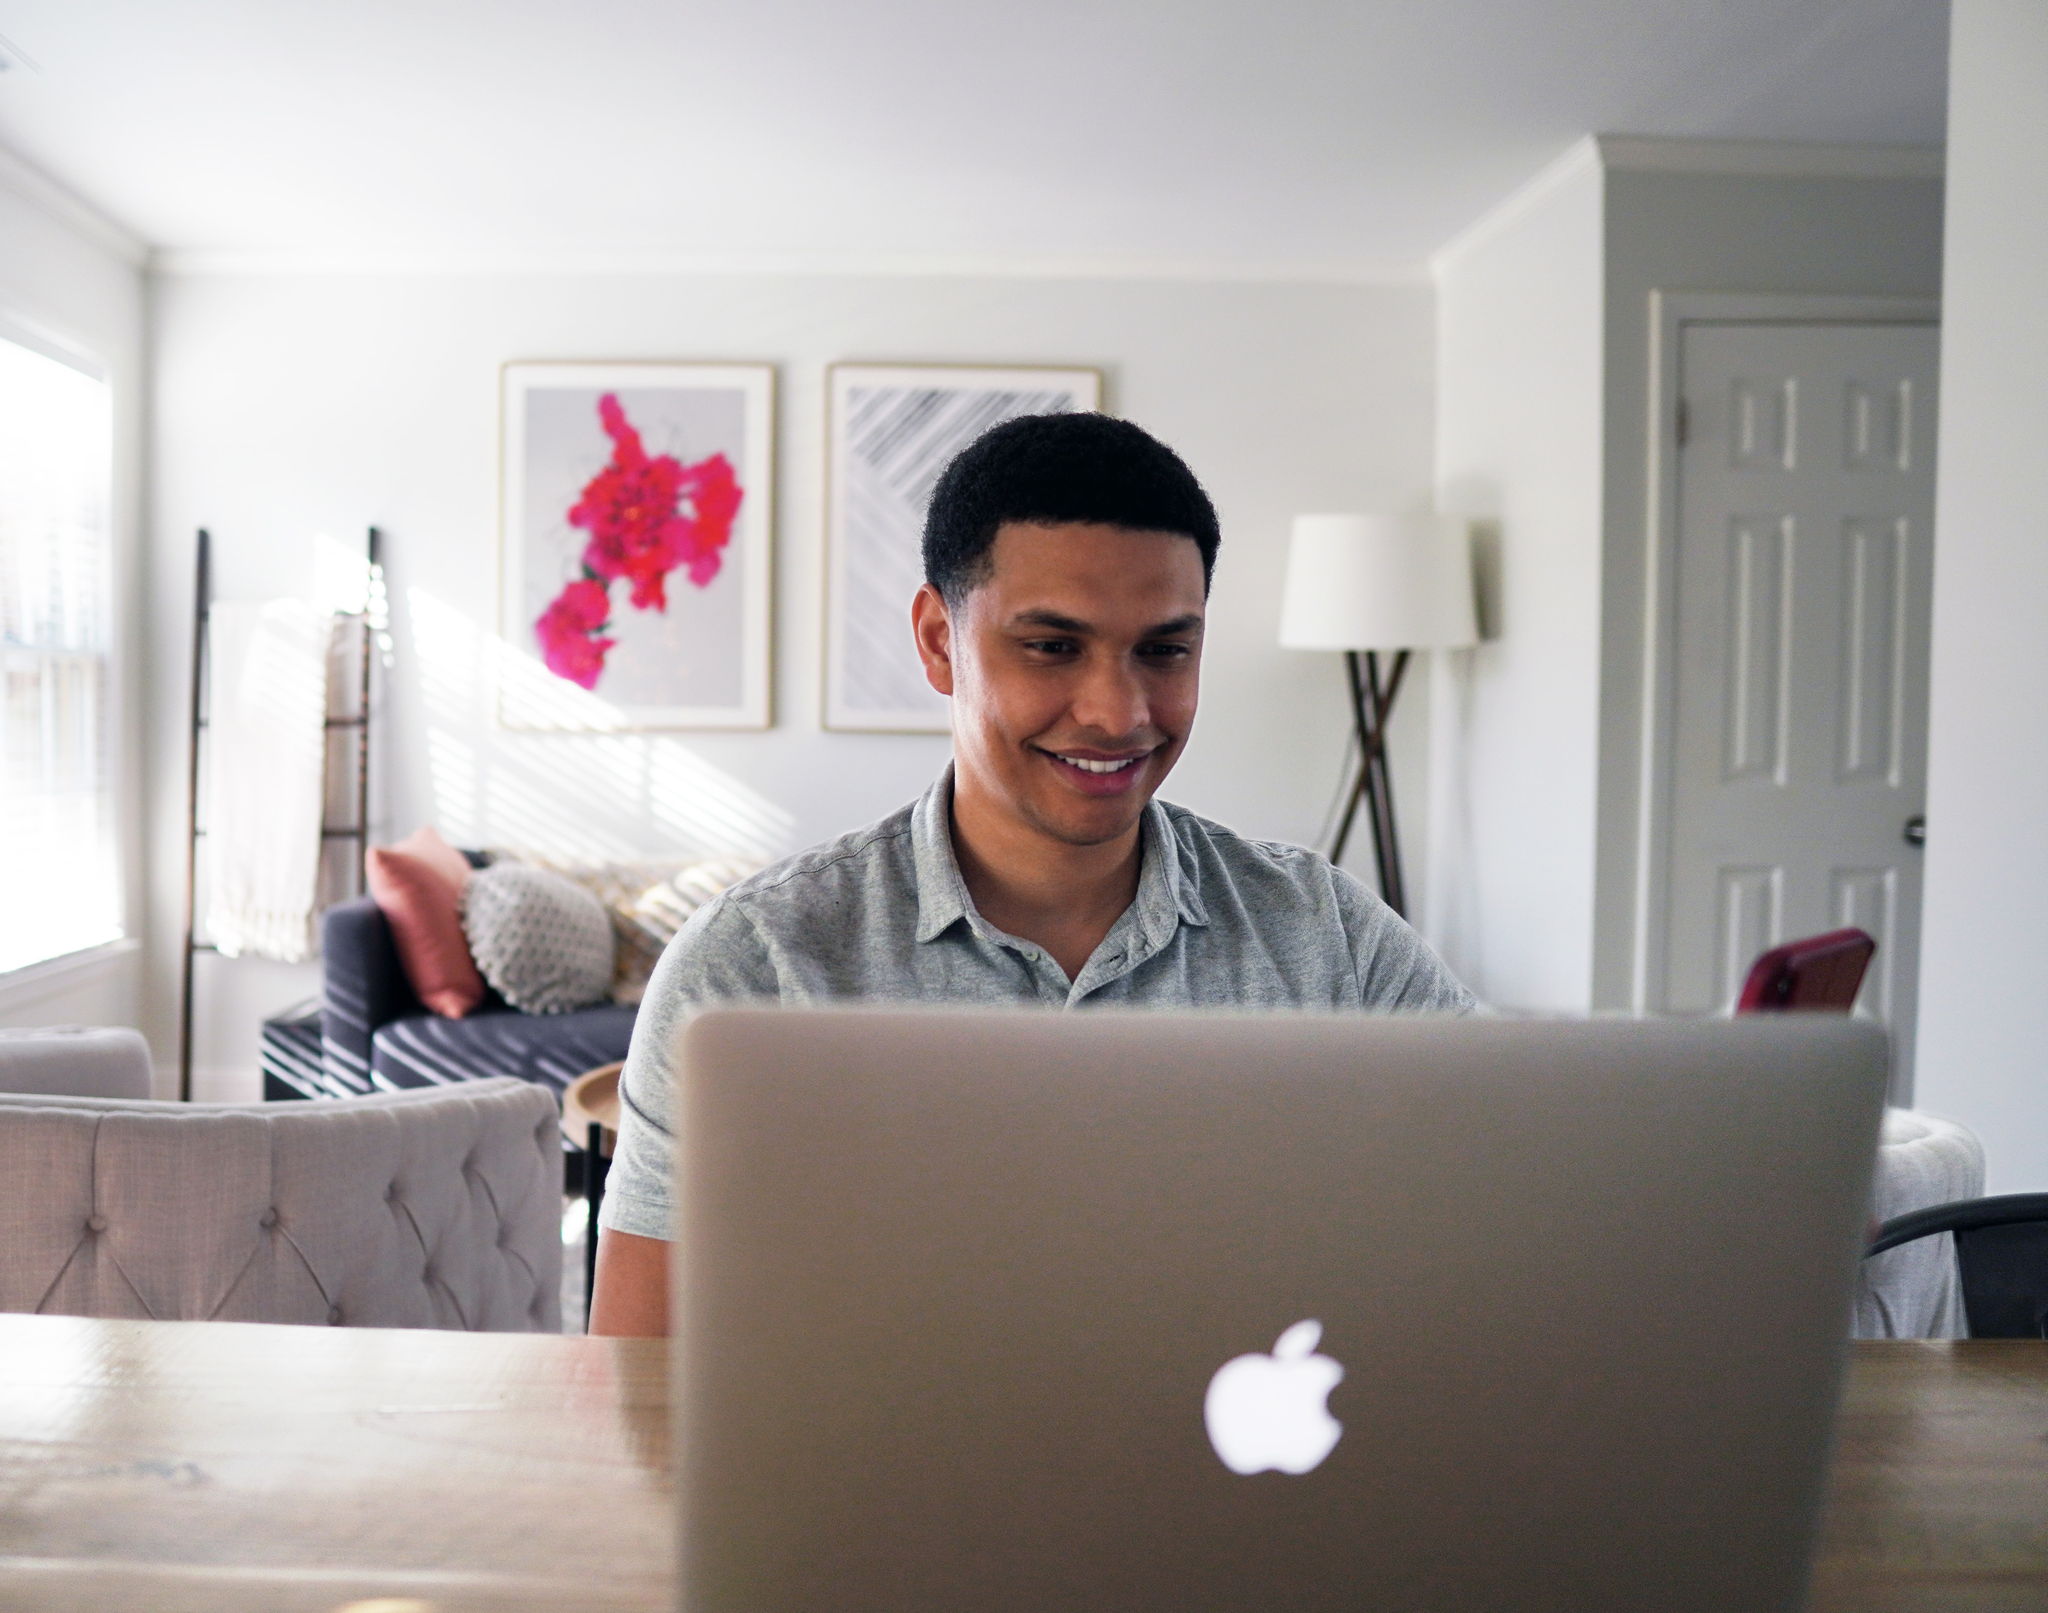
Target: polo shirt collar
{"points": [[1166, 895], [941, 893], [1166, 857]]}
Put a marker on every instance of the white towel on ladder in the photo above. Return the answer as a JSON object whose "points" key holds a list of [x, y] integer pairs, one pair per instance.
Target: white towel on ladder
{"points": [[266, 749]]}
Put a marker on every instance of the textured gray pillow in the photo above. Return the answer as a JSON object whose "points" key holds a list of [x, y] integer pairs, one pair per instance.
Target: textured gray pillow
{"points": [[542, 941]]}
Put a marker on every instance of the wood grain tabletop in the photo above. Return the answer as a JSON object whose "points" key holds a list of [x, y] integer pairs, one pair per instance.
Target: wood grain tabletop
{"points": [[1939, 1493], [225, 1467]]}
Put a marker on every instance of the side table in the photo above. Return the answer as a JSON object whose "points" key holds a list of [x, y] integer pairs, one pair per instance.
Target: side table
{"points": [[590, 1120]]}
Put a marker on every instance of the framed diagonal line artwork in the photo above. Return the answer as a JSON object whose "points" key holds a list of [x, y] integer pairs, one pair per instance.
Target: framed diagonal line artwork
{"points": [[634, 564], [891, 430]]}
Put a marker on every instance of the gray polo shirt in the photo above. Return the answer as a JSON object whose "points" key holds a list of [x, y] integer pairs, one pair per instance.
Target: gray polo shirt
{"points": [[882, 915]]}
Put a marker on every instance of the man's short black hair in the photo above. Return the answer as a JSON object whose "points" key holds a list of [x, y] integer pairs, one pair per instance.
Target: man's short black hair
{"points": [[1050, 469]]}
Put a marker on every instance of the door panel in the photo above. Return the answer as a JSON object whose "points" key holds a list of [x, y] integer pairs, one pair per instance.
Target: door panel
{"points": [[1804, 570], [1875, 590]]}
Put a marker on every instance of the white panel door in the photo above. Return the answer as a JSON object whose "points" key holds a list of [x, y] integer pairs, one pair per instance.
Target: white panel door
{"points": [[1804, 570]]}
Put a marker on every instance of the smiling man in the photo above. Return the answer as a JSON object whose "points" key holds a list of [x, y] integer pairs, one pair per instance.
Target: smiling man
{"points": [[1067, 564]]}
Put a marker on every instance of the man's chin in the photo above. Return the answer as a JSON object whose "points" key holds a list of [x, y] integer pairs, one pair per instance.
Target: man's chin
{"points": [[1091, 823]]}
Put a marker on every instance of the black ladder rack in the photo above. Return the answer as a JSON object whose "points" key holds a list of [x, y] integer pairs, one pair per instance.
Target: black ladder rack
{"points": [[358, 831]]}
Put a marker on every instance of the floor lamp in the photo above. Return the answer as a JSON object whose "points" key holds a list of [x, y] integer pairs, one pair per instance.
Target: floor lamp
{"points": [[1368, 584]]}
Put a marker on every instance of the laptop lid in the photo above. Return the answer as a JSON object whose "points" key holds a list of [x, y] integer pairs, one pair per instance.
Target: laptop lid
{"points": [[958, 1293]]}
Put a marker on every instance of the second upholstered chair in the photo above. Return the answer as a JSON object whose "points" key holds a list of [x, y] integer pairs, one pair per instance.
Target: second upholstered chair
{"points": [[434, 1209]]}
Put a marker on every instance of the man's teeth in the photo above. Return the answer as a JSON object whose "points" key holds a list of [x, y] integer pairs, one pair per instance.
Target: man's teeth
{"points": [[1098, 767]]}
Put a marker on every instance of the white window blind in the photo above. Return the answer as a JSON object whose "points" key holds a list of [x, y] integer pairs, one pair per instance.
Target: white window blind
{"points": [[59, 872]]}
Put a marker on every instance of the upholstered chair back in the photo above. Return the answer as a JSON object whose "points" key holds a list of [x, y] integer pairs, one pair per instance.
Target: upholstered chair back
{"points": [[435, 1208], [82, 1061]]}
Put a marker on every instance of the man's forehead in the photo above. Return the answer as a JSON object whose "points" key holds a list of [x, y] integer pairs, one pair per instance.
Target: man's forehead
{"points": [[1066, 567]]}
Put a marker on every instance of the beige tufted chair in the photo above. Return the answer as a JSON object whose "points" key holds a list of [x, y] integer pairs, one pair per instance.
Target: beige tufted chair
{"points": [[432, 1208]]}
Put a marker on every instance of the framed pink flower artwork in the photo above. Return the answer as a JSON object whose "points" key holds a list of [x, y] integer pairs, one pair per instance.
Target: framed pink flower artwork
{"points": [[637, 520]]}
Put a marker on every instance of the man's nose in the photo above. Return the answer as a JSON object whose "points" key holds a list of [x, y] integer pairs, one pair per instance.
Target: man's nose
{"points": [[1111, 698]]}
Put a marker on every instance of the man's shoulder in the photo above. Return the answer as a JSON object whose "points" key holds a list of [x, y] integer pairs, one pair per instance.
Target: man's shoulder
{"points": [[1299, 903], [1269, 881], [818, 901], [1216, 847], [859, 861]]}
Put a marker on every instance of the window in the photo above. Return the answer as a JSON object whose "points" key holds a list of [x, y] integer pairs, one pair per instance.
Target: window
{"points": [[60, 888]]}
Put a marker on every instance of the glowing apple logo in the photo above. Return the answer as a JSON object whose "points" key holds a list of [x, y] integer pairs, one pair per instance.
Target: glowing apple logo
{"points": [[1269, 1412]]}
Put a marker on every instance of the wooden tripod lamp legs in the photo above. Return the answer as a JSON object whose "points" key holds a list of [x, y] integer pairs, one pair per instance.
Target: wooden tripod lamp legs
{"points": [[1370, 703]]}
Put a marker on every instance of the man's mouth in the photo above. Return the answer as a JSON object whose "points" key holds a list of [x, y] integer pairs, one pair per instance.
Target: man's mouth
{"points": [[1096, 774]]}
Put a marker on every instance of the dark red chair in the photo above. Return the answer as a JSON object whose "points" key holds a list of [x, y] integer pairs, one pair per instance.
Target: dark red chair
{"points": [[1822, 972]]}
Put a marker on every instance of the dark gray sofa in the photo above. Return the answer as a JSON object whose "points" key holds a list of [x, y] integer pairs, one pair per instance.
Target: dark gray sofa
{"points": [[373, 1034]]}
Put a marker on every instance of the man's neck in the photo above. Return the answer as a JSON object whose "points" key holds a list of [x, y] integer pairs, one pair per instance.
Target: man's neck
{"points": [[1063, 897]]}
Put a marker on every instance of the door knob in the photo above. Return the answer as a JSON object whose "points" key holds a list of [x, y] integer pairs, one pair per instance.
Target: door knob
{"points": [[1916, 829]]}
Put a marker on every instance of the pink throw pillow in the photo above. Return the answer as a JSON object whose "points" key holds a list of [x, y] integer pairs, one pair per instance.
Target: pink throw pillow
{"points": [[418, 888], [426, 844]]}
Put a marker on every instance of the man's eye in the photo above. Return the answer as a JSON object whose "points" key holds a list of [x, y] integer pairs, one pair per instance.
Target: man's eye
{"points": [[1164, 652], [1049, 646]]}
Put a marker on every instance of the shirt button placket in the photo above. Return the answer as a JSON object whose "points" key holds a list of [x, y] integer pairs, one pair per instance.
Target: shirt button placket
{"points": [[1043, 973], [1115, 965]]}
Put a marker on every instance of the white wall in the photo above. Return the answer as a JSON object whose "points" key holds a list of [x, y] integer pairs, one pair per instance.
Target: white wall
{"points": [[1671, 229], [76, 279], [1518, 449], [1984, 1014], [1543, 354], [290, 406]]}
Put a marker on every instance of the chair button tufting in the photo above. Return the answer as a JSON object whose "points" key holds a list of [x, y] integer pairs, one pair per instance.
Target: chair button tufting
{"points": [[95, 1223], [267, 1219], [392, 1196], [334, 1316]]}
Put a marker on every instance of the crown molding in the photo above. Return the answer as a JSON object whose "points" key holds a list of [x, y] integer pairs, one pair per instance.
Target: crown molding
{"points": [[1634, 153], [31, 184], [1769, 159], [1582, 156], [179, 262]]}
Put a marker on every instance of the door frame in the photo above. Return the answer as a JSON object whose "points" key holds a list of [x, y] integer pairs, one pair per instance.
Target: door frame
{"points": [[1671, 312]]}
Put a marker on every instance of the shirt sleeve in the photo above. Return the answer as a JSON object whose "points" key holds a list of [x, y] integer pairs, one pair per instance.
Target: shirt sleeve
{"points": [[716, 960], [1398, 971]]}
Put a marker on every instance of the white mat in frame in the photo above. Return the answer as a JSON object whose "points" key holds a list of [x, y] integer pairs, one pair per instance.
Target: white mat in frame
{"points": [[891, 429], [686, 630]]}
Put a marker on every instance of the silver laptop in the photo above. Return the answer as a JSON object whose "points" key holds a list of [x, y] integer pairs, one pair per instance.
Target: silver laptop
{"points": [[982, 1312]]}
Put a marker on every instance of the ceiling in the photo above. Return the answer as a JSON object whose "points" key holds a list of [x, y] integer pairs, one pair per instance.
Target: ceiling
{"points": [[1313, 137]]}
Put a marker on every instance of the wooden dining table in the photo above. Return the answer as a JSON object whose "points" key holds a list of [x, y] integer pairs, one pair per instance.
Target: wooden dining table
{"points": [[224, 1467]]}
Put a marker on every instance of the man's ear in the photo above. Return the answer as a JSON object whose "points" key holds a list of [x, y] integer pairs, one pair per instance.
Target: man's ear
{"points": [[932, 624]]}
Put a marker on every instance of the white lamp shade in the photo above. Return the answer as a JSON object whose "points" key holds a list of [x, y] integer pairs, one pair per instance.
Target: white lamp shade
{"points": [[1378, 582]]}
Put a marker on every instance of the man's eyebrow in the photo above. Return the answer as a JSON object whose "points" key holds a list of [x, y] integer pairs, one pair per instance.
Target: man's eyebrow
{"points": [[1053, 621]]}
